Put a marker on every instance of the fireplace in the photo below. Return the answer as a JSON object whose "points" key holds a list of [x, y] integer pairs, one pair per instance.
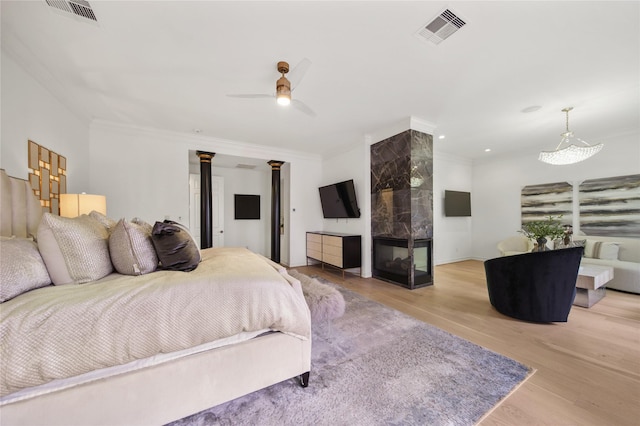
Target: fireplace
{"points": [[402, 209], [404, 262]]}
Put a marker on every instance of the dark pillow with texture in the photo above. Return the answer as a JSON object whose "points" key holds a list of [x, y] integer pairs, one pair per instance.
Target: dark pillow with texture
{"points": [[176, 249]]}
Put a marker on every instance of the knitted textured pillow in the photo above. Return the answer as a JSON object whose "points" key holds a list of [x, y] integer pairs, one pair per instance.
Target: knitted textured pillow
{"points": [[75, 250], [21, 268], [131, 248]]}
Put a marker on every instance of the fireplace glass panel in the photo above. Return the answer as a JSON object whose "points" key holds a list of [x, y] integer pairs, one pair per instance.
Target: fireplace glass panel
{"points": [[395, 261]]}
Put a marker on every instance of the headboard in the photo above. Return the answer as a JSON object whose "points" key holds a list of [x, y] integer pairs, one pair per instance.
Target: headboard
{"points": [[20, 210]]}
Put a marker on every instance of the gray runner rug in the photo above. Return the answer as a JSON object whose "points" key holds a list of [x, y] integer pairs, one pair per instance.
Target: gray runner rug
{"points": [[378, 366]]}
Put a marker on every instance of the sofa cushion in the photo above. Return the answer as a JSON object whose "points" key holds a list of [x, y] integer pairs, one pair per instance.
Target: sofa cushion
{"points": [[21, 268], [131, 248], [629, 248], [75, 250], [601, 250]]}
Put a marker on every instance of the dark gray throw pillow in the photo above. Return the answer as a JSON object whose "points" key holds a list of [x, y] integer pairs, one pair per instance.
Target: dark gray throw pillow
{"points": [[176, 249]]}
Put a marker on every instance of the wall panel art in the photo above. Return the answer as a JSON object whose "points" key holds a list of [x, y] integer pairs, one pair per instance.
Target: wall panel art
{"points": [[549, 199], [48, 176], [610, 206]]}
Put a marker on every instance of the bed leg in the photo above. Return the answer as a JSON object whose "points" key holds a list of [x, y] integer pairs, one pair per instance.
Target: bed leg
{"points": [[304, 379]]}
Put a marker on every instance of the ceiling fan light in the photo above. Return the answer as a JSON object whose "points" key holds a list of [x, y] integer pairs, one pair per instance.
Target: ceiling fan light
{"points": [[283, 91], [283, 99]]}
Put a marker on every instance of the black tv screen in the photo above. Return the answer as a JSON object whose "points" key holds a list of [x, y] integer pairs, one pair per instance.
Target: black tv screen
{"points": [[457, 203], [247, 206], [339, 200]]}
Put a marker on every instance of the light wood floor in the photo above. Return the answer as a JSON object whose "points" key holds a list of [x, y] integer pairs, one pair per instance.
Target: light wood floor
{"points": [[587, 369]]}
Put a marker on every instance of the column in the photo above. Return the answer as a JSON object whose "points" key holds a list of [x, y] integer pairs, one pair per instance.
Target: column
{"points": [[275, 209], [205, 199]]}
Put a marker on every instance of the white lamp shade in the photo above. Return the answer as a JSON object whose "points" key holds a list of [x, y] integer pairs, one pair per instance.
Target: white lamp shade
{"points": [[73, 205]]}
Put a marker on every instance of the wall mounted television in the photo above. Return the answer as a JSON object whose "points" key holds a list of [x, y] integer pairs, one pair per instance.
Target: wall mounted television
{"points": [[246, 206], [339, 200], [457, 203]]}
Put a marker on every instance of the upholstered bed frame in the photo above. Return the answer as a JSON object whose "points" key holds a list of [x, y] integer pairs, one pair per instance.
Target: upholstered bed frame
{"points": [[157, 394]]}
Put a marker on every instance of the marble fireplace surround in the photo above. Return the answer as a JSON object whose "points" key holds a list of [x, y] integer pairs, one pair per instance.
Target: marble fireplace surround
{"points": [[402, 190]]}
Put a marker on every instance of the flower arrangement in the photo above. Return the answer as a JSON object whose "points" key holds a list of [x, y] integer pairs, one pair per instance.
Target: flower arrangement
{"points": [[540, 230]]}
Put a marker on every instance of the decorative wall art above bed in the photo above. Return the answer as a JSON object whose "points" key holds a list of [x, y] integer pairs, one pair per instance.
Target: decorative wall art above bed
{"points": [[47, 175], [611, 206]]}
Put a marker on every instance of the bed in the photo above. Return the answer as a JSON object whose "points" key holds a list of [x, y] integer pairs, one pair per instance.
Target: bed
{"points": [[198, 350]]}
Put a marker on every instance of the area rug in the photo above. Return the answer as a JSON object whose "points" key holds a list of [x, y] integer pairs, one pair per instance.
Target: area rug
{"points": [[378, 366]]}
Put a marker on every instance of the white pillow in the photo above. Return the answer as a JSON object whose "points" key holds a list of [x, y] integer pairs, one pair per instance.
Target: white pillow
{"points": [[107, 222], [601, 250], [75, 250], [131, 248], [21, 268]]}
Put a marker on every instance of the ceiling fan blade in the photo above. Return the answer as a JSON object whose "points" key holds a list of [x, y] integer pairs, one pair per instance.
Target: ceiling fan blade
{"points": [[301, 106], [296, 75], [251, 96]]}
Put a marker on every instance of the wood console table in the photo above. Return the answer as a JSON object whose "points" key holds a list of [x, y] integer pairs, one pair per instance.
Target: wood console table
{"points": [[343, 251]]}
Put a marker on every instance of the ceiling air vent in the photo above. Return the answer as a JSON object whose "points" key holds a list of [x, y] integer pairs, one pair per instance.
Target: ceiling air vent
{"points": [[441, 27], [79, 8]]}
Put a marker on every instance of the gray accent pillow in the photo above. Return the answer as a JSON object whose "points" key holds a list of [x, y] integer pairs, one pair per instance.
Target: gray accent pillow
{"points": [[131, 248], [75, 250], [175, 247], [21, 268]]}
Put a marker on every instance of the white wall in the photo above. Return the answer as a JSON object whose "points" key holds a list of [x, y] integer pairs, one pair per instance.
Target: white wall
{"points": [[451, 235], [253, 234], [304, 205], [353, 164], [145, 173], [30, 112], [497, 185]]}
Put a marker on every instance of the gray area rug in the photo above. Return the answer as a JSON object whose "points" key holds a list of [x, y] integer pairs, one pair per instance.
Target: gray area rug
{"points": [[378, 366]]}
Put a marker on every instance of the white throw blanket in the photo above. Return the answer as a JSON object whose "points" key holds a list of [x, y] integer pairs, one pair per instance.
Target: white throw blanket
{"points": [[62, 331]]}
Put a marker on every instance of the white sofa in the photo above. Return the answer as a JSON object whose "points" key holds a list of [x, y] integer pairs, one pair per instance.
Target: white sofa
{"points": [[626, 268]]}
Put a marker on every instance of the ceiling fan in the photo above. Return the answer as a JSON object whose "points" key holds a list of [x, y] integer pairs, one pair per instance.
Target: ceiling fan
{"points": [[285, 86]]}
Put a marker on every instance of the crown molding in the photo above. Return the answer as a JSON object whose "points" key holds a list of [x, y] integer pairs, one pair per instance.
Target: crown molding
{"points": [[208, 143], [408, 123]]}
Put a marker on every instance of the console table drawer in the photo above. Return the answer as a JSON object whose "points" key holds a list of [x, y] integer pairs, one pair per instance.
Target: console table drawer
{"points": [[314, 246], [331, 241], [340, 250], [332, 250], [332, 259], [314, 238], [313, 254]]}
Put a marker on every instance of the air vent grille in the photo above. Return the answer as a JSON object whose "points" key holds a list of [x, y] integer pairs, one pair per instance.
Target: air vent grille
{"points": [[245, 166], [441, 27], [80, 8]]}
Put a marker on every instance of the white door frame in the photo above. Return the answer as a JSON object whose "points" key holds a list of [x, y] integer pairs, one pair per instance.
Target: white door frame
{"points": [[217, 201]]}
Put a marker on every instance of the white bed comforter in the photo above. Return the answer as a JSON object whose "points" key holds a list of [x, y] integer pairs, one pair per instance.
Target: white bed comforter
{"points": [[62, 331]]}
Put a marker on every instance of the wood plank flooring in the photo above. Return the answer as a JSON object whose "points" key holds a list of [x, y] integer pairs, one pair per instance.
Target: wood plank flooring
{"points": [[587, 370]]}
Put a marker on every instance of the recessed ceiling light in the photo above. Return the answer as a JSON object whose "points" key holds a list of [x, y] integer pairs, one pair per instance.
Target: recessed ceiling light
{"points": [[487, 150], [532, 108], [197, 131], [441, 137]]}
